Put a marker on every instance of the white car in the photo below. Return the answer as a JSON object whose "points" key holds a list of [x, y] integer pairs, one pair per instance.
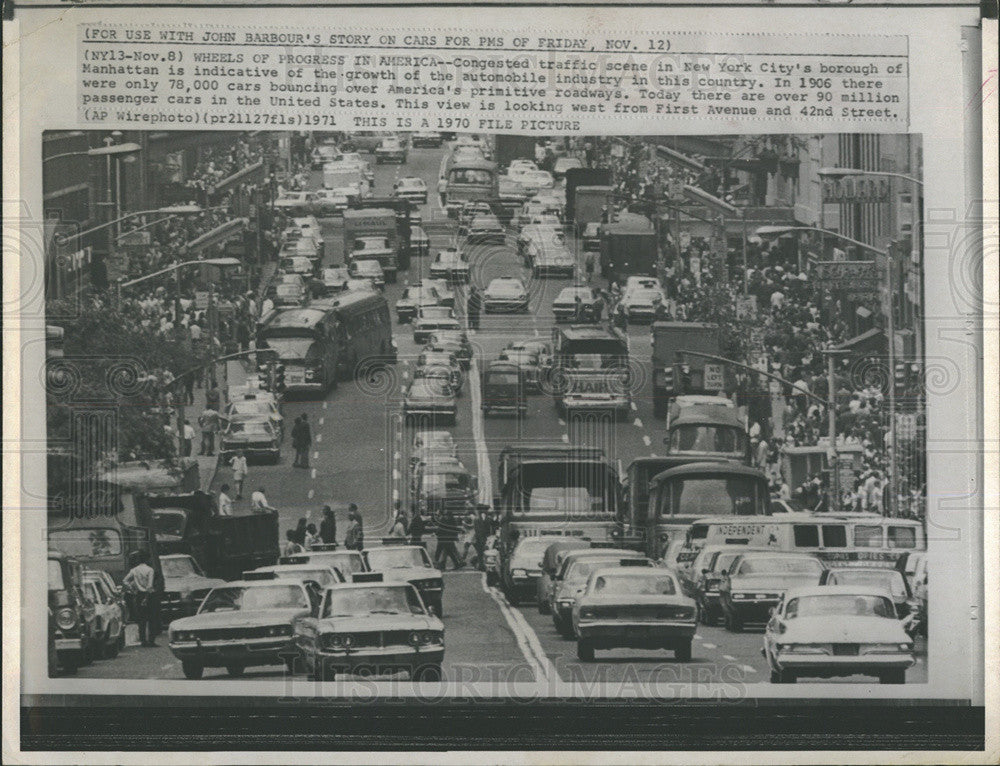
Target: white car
{"points": [[837, 630], [641, 303], [563, 164], [356, 284], [645, 283], [367, 269], [536, 179], [411, 188], [519, 167], [441, 286], [330, 201], [505, 294]]}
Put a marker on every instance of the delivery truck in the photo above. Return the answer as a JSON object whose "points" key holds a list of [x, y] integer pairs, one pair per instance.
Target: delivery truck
{"points": [[590, 204], [628, 248]]}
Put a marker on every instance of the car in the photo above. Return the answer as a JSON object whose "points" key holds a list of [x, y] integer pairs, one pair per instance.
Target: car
{"points": [[412, 299], [290, 294], [891, 580], [830, 631], [641, 304], [366, 268], [330, 201], [551, 257], [440, 483], [295, 202], [356, 284], [433, 363], [539, 209], [441, 285], [319, 574], [297, 264], [408, 564], [371, 627], [437, 441], [462, 155], [253, 435], [390, 150], [428, 139], [533, 180], [541, 231], [430, 318], [703, 578], [323, 154], [641, 282], [521, 166], [562, 164], [521, 570], [913, 565], [184, 585], [552, 559], [72, 616], [756, 581], [334, 279], [451, 265], [564, 307], [420, 243], [471, 210], [591, 237], [300, 248], [571, 579], [347, 562], [411, 188], [453, 341], [505, 294], [636, 607], [242, 623], [109, 613], [253, 391], [432, 398], [361, 142], [257, 407], [355, 160], [533, 357], [486, 229]]}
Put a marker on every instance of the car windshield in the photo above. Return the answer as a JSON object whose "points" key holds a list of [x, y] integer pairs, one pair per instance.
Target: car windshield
{"points": [[323, 575], [56, 576], [371, 243], [169, 522], [840, 605], [441, 439], [756, 566], [532, 549], [87, 543], [889, 579], [397, 558], [471, 176], [347, 562], [351, 602], [715, 496], [502, 378], [694, 438], [437, 483], [247, 598], [581, 570], [631, 585], [723, 561], [250, 427], [249, 408], [434, 386], [572, 499], [182, 566]]}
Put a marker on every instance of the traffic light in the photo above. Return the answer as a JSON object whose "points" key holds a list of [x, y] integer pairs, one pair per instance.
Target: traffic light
{"points": [[907, 381], [279, 378], [668, 379]]}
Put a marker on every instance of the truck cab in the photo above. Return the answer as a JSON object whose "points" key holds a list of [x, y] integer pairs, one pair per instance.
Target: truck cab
{"points": [[708, 430]]}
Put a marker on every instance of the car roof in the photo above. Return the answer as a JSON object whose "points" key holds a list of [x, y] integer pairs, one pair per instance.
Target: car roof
{"points": [[257, 583], [634, 571], [837, 590]]}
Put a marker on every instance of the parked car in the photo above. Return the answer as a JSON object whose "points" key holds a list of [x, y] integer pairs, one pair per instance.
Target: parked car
{"points": [[72, 616], [109, 613]]}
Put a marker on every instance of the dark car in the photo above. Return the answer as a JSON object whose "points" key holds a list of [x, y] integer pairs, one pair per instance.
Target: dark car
{"points": [[564, 307], [534, 358], [551, 560], [72, 616], [756, 582], [426, 139], [503, 389], [184, 585]]}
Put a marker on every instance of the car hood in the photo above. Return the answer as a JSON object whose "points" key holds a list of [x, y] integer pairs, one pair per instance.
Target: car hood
{"points": [[257, 437], [772, 582], [373, 622], [844, 629], [190, 582], [237, 619]]}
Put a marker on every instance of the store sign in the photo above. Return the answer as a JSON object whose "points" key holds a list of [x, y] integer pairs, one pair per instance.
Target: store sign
{"points": [[856, 189], [847, 276]]}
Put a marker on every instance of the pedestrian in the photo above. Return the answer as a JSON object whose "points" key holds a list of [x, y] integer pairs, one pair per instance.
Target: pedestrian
{"points": [[304, 441], [578, 308], [473, 306], [187, 439], [139, 582], [417, 527], [328, 526], [213, 399], [467, 536], [480, 535], [297, 441], [312, 537], [398, 531], [225, 501], [239, 466], [355, 537], [447, 535], [588, 266], [291, 547], [189, 389], [258, 502], [300, 531]]}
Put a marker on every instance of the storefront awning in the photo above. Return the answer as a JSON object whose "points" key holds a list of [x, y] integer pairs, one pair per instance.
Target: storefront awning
{"points": [[217, 236]]}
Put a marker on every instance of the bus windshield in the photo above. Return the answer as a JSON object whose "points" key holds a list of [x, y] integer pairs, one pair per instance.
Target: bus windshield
{"points": [[703, 438], [714, 496], [291, 348]]}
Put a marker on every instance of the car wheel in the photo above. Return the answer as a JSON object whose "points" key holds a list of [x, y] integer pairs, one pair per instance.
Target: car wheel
{"points": [[192, 670], [112, 647], [428, 674], [584, 650], [893, 677], [235, 670], [682, 652]]}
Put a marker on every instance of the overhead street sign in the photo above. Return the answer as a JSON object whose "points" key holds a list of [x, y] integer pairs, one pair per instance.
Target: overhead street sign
{"points": [[856, 188]]}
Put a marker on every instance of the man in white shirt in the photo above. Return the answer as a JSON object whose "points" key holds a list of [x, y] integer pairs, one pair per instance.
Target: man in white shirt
{"points": [[258, 502], [225, 501], [140, 582]]}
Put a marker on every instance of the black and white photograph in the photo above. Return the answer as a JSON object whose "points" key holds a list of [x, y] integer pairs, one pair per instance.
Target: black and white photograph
{"points": [[490, 409]]}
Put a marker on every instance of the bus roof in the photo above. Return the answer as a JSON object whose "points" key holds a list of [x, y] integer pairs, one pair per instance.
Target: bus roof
{"points": [[590, 332], [471, 164], [700, 414], [304, 317], [349, 302], [717, 467]]}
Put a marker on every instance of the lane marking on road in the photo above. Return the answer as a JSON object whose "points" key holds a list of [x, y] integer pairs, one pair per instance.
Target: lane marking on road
{"points": [[316, 455], [526, 639], [710, 646], [321, 420], [319, 438], [562, 422], [312, 493], [395, 494], [565, 438], [637, 423], [396, 456], [646, 440], [324, 405], [696, 636], [728, 657], [748, 669], [395, 474], [632, 405], [312, 474]]}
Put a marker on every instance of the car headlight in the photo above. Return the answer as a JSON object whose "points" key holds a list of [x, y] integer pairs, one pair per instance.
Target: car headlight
{"points": [[887, 648], [739, 596], [66, 619], [519, 573], [182, 635], [566, 603], [336, 641]]}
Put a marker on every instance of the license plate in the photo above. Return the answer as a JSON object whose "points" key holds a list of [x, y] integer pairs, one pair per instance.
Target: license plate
{"points": [[845, 650]]}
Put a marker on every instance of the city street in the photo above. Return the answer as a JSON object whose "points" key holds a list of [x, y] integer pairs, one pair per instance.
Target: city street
{"points": [[360, 454]]}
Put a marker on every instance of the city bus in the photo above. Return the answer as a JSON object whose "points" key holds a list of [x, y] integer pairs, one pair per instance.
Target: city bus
{"points": [[361, 330], [679, 496], [467, 180]]}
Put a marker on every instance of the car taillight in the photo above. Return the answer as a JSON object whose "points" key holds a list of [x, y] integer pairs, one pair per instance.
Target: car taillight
{"points": [[66, 619]]}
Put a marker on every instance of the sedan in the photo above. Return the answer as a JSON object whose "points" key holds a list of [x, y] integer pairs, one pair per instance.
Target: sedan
{"points": [[431, 318], [837, 630], [390, 150], [253, 435], [641, 304], [563, 164], [551, 258], [334, 279], [451, 266], [486, 229], [505, 294], [635, 607], [420, 243], [472, 209], [441, 285], [408, 564], [290, 294], [430, 397], [453, 341], [536, 179], [411, 188], [413, 299], [426, 139], [440, 364], [533, 358], [258, 407], [567, 308], [367, 269], [756, 582], [907, 605], [592, 237], [296, 265]]}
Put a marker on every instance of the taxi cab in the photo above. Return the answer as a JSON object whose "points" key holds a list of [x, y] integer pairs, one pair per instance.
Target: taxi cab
{"points": [[347, 562], [240, 624], [371, 627], [632, 606], [571, 580], [409, 564], [307, 572]]}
